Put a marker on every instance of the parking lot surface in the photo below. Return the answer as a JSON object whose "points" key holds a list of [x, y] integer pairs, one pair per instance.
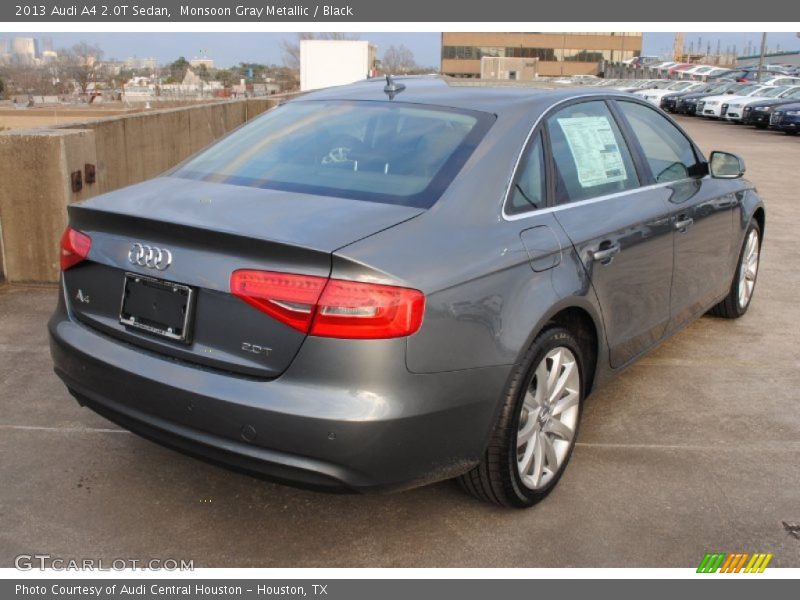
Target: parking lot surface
{"points": [[696, 448]]}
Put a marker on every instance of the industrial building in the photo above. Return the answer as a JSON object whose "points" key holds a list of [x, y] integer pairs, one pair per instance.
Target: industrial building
{"points": [[545, 54]]}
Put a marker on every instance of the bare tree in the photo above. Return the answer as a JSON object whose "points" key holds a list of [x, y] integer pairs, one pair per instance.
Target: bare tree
{"points": [[398, 60], [28, 79], [291, 48], [78, 63]]}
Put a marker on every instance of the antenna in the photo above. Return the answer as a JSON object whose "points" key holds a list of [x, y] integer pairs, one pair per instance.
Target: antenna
{"points": [[392, 88]]}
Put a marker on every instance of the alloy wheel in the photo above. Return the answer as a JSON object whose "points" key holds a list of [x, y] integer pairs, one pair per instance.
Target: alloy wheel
{"points": [[548, 418], [748, 269]]}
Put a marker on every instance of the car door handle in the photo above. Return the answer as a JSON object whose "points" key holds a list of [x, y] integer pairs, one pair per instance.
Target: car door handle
{"points": [[683, 223], [605, 253]]}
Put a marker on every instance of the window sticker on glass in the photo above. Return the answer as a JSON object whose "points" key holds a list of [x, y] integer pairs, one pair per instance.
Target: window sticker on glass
{"points": [[597, 156]]}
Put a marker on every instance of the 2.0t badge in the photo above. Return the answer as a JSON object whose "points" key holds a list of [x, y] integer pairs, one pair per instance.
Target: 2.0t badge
{"points": [[151, 257]]}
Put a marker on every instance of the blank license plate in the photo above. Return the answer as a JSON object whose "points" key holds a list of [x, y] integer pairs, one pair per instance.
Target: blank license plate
{"points": [[159, 307]]}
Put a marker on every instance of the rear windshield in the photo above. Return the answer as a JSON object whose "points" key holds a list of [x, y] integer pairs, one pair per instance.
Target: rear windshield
{"points": [[384, 152]]}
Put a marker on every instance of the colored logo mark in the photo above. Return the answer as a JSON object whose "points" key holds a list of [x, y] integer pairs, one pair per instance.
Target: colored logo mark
{"points": [[742, 562]]}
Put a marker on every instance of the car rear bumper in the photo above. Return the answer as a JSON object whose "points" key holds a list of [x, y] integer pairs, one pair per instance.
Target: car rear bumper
{"points": [[336, 419]]}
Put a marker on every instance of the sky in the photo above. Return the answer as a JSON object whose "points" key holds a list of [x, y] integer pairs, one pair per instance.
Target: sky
{"points": [[231, 48], [227, 49]]}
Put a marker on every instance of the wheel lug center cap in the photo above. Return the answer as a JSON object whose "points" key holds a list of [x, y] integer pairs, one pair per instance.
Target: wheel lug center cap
{"points": [[544, 415]]}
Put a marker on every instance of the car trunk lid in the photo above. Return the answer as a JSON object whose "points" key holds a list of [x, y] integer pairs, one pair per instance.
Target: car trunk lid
{"points": [[204, 232]]}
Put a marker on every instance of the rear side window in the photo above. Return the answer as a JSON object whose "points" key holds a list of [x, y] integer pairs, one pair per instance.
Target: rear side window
{"points": [[385, 152], [668, 152], [589, 153], [528, 191]]}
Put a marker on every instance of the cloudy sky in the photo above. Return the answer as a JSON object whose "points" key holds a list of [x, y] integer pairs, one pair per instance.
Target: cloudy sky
{"points": [[231, 48]]}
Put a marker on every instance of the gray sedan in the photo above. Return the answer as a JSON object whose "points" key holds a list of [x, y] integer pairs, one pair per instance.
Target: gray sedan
{"points": [[382, 285]]}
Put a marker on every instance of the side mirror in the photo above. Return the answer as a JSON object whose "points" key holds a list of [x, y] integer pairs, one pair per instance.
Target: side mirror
{"points": [[725, 165]]}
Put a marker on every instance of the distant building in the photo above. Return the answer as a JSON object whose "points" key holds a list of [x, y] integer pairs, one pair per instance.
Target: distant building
{"points": [[191, 80], [23, 50], [265, 89], [203, 60], [141, 63], [113, 67], [325, 63], [556, 53], [509, 68]]}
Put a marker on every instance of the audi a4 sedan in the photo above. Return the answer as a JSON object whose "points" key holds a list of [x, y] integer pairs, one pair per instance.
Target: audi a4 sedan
{"points": [[669, 102], [786, 118], [383, 285], [759, 112], [715, 107]]}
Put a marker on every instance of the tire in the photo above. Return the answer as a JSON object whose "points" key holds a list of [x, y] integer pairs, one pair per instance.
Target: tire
{"points": [[498, 478], [735, 305], [761, 126]]}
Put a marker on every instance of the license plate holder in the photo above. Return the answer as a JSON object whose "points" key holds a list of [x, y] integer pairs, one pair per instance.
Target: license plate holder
{"points": [[156, 306]]}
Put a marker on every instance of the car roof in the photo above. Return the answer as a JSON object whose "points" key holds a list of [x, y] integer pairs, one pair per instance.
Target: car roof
{"points": [[465, 94]]}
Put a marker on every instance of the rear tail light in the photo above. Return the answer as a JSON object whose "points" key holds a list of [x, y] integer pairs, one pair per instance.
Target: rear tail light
{"points": [[349, 309], [75, 248], [292, 299], [332, 307]]}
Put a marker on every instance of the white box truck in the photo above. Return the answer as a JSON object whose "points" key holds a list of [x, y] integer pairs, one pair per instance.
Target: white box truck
{"points": [[324, 63]]}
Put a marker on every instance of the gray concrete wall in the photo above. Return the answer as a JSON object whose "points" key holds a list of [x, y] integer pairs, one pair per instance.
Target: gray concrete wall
{"points": [[36, 167]]}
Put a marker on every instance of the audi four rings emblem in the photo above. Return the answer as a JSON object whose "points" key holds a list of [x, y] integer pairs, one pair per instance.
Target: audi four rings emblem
{"points": [[151, 257]]}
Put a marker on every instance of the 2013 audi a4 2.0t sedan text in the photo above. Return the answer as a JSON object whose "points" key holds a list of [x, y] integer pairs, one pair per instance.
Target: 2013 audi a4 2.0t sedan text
{"points": [[386, 284]]}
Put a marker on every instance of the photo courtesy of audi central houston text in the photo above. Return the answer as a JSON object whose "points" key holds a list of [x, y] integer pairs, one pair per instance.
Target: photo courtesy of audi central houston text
{"points": [[377, 286]]}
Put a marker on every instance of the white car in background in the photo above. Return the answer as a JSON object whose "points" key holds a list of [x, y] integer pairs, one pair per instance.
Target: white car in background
{"points": [[695, 72], [772, 79], [579, 80], [634, 85], [715, 71], [653, 96], [733, 110], [664, 65], [711, 106]]}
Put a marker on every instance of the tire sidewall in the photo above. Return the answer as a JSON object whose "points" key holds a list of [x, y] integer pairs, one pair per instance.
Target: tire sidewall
{"points": [[547, 341]]}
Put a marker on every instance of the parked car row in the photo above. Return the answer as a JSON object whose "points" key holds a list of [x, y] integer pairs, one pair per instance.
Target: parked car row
{"points": [[691, 71], [772, 103], [700, 72], [762, 106]]}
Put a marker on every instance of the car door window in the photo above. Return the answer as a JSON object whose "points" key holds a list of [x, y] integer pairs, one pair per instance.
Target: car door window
{"points": [[668, 152], [528, 191], [590, 157]]}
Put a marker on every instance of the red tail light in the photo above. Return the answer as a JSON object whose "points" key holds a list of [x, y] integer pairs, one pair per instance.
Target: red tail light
{"points": [[292, 299], [332, 308], [75, 248], [349, 309]]}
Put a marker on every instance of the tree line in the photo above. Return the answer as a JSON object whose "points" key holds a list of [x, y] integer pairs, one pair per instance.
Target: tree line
{"points": [[77, 67]]}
